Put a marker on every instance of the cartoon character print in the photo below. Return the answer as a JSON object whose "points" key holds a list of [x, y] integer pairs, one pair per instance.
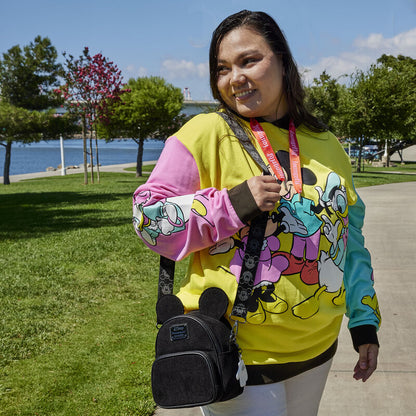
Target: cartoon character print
{"points": [[300, 217], [263, 299], [269, 268], [331, 263], [165, 217], [314, 267], [329, 266], [372, 302]]}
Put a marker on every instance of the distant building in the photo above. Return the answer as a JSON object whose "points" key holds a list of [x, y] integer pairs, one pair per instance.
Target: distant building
{"points": [[192, 107]]}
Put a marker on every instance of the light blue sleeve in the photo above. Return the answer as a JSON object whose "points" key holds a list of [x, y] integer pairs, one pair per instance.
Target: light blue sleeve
{"points": [[361, 299]]}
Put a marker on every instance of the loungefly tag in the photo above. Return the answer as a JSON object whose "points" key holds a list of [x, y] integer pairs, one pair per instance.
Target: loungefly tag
{"points": [[241, 375]]}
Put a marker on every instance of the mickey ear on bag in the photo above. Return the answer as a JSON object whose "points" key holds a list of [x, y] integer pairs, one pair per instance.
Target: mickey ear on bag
{"points": [[167, 307], [213, 302]]}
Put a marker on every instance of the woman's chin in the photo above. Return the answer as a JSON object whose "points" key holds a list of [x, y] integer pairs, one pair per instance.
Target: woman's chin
{"points": [[248, 111]]}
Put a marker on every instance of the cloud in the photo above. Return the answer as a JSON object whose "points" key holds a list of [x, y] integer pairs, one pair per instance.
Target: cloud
{"points": [[133, 72], [403, 43], [365, 51], [182, 69]]}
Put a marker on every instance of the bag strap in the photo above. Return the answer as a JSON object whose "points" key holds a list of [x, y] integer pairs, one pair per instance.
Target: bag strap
{"points": [[249, 267], [166, 276], [253, 246], [241, 135]]}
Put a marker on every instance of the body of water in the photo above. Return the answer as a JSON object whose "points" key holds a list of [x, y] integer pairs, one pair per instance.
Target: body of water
{"points": [[37, 157]]}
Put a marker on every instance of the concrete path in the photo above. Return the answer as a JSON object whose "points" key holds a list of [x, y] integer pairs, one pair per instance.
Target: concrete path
{"points": [[390, 232]]}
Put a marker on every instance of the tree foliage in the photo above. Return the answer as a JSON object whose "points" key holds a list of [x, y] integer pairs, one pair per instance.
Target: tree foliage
{"points": [[150, 110], [381, 103], [323, 98], [27, 79], [93, 84], [378, 104], [28, 75]]}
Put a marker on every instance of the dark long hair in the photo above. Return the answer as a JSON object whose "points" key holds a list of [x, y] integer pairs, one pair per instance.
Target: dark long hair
{"points": [[264, 25]]}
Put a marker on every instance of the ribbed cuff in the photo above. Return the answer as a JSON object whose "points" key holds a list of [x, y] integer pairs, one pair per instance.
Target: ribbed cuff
{"points": [[243, 202], [364, 334]]}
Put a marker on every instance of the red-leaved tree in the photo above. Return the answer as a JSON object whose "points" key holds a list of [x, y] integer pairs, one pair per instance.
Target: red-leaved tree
{"points": [[93, 84]]}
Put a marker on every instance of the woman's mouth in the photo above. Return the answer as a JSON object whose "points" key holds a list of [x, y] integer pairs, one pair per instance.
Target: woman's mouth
{"points": [[242, 95]]}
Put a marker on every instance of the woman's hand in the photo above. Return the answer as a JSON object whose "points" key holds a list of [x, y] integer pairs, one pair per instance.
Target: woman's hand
{"points": [[367, 362], [265, 191]]}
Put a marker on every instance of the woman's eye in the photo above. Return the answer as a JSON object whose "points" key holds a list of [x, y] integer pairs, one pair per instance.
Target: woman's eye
{"points": [[222, 69], [249, 61]]}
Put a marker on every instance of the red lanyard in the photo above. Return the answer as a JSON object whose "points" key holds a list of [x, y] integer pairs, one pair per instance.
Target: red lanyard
{"points": [[264, 143]]}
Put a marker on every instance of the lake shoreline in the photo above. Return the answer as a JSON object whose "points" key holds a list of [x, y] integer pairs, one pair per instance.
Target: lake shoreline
{"points": [[58, 172], [43, 155]]}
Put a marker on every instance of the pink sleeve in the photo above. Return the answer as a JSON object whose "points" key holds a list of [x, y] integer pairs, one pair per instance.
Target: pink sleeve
{"points": [[172, 215]]}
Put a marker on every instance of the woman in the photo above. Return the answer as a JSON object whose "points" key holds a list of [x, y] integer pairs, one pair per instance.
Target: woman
{"points": [[205, 190]]}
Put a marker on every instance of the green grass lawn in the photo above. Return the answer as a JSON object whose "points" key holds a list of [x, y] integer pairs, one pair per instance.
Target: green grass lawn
{"points": [[78, 292], [379, 176]]}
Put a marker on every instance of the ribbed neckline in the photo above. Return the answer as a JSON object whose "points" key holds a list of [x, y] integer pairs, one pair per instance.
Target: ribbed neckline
{"points": [[282, 122]]}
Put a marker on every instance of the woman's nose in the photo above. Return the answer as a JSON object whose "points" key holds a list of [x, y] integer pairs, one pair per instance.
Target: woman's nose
{"points": [[237, 76]]}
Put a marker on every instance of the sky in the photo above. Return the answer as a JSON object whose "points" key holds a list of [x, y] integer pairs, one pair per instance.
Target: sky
{"points": [[170, 38]]}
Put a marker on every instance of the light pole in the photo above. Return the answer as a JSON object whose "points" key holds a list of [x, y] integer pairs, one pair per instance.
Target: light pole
{"points": [[63, 170]]}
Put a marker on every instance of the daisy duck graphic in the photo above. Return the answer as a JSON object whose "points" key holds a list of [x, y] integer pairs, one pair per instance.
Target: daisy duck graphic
{"points": [[164, 217], [167, 216]]}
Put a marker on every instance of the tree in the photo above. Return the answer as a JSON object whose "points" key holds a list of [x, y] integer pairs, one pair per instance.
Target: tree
{"points": [[25, 126], [380, 104], [322, 100], [401, 73], [92, 86], [150, 110], [27, 79], [16, 124]]}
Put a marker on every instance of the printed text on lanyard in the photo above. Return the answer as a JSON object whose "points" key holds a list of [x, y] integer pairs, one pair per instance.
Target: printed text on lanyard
{"points": [[275, 166]]}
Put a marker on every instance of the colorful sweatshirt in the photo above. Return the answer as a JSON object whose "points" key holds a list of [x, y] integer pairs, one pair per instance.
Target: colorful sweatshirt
{"points": [[313, 267]]}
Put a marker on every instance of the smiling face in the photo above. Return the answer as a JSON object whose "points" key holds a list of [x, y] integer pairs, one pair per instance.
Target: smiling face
{"points": [[250, 75]]}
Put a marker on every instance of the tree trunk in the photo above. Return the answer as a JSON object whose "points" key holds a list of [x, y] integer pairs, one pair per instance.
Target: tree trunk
{"points": [[91, 158], [7, 158], [96, 156], [358, 167], [360, 153], [400, 152], [139, 164], [84, 143]]}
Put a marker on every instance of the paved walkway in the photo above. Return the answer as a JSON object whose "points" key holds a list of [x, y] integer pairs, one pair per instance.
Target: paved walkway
{"points": [[390, 232]]}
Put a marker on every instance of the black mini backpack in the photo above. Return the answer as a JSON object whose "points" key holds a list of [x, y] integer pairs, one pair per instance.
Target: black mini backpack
{"points": [[197, 356]]}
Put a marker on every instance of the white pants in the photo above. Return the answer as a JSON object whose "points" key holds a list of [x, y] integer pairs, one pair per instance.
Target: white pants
{"points": [[297, 396]]}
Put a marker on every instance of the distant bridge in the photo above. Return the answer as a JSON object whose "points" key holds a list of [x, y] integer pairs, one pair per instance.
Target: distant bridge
{"points": [[189, 107], [192, 107]]}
